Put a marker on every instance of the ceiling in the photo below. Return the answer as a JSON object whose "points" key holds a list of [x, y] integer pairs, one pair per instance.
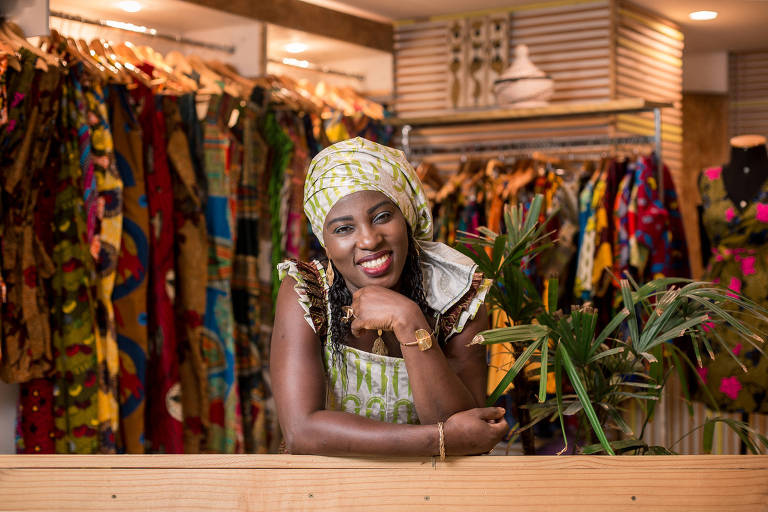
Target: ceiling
{"points": [[741, 25], [176, 17]]}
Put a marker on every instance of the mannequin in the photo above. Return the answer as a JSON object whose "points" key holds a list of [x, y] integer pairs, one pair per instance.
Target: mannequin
{"points": [[734, 221], [747, 170]]}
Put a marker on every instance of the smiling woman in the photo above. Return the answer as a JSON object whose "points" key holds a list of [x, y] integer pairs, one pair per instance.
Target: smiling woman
{"points": [[379, 365]]}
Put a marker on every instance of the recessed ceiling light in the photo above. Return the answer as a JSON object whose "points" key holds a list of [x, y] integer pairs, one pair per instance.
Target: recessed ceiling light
{"points": [[129, 6], [703, 15], [295, 47]]}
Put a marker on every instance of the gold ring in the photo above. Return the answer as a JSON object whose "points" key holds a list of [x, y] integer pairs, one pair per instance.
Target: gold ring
{"points": [[348, 314]]}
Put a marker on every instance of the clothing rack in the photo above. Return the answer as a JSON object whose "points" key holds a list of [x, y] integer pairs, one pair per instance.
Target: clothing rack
{"points": [[543, 144], [622, 106], [308, 66], [139, 29]]}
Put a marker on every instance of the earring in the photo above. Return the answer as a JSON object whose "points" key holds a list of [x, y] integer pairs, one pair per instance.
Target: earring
{"points": [[329, 275], [379, 348]]}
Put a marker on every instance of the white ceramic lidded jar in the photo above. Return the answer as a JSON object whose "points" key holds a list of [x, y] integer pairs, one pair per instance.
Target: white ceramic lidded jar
{"points": [[523, 84]]}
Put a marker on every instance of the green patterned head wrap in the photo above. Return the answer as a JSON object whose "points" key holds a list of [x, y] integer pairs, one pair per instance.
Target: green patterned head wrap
{"points": [[358, 164]]}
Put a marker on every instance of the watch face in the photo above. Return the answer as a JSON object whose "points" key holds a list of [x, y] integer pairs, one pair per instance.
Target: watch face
{"points": [[424, 339]]}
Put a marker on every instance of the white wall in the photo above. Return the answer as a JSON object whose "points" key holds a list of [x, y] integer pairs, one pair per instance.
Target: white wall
{"points": [[376, 72], [705, 72], [245, 38]]}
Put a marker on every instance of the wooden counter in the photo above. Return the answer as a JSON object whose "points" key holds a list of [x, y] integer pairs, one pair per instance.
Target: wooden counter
{"points": [[280, 482]]}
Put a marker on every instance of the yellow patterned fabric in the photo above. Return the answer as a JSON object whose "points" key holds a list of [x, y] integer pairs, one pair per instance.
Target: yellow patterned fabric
{"points": [[357, 165], [110, 190]]}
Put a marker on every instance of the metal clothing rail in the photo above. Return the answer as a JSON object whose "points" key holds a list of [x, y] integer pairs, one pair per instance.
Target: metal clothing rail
{"points": [[139, 29], [546, 143], [625, 105], [308, 66]]}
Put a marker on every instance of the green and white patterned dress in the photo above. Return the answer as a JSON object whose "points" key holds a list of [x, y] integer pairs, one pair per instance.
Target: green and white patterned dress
{"points": [[373, 386]]}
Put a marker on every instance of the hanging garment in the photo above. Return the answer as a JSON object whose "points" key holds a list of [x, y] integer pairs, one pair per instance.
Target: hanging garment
{"points": [[281, 149], [26, 349], [659, 225], [621, 225], [130, 293], [73, 312], [738, 235], [218, 339], [296, 222], [163, 416], [587, 233], [25, 143], [191, 240], [107, 237], [246, 293]]}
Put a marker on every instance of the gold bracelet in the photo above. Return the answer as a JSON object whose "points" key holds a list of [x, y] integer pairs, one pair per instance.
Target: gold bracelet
{"points": [[441, 431], [423, 340]]}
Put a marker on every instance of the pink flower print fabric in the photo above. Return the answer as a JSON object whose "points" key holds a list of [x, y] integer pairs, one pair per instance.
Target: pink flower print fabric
{"points": [[738, 235], [762, 212], [730, 386]]}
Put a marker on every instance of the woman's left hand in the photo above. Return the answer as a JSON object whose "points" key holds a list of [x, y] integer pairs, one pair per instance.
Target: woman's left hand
{"points": [[376, 307]]}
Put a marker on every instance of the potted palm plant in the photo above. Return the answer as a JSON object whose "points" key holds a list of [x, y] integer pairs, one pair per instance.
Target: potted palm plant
{"points": [[599, 373]]}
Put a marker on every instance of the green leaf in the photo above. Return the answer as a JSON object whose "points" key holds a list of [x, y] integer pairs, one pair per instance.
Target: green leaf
{"points": [[559, 395], [553, 295], [581, 392], [498, 252], [610, 328], [512, 373], [676, 331], [544, 370], [620, 446], [659, 450], [605, 353], [617, 418], [632, 318], [708, 437], [514, 334]]}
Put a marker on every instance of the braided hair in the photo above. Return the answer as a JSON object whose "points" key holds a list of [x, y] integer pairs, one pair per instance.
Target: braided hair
{"points": [[411, 284]]}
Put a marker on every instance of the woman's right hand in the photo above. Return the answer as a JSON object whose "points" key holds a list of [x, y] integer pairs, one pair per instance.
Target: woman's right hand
{"points": [[474, 431]]}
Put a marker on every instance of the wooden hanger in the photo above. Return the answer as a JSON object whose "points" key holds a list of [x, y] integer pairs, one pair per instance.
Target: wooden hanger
{"points": [[124, 55], [8, 50], [15, 37], [100, 51]]}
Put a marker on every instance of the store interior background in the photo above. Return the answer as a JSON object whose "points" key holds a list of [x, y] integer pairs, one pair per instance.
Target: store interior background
{"points": [[740, 27]]}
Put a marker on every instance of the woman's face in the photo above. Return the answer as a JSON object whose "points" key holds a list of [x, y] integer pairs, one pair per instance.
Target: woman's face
{"points": [[366, 237]]}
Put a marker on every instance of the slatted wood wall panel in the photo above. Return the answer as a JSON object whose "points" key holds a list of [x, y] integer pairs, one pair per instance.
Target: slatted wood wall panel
{"points": [[748, 88], [570, 42], [673, 422], [649, 65]]}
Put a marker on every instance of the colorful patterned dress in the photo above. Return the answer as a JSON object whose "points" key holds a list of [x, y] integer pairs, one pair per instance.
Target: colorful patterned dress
{"points": [[370, 385], [108, 233], [218, 338], [191, 239], [738, 234], [130, 293]]}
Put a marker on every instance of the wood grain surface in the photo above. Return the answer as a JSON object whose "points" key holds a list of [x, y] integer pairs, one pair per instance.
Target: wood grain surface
{"points": [[278, 482]]}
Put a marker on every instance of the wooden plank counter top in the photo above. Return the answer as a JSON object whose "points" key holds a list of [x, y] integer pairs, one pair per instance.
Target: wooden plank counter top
{"points": [[285, 482]]}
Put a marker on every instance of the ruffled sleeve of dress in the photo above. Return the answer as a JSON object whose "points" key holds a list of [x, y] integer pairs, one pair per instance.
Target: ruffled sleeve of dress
{"points": [[312, 290], [456, 318]]}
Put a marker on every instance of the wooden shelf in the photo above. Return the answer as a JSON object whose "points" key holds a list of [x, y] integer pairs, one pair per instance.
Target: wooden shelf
{"points": [[622, 106], [282, 482]]}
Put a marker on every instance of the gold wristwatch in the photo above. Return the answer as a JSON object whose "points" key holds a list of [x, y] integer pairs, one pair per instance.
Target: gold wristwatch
{"points": [[423, 340]]}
